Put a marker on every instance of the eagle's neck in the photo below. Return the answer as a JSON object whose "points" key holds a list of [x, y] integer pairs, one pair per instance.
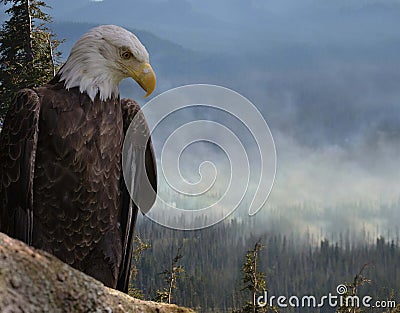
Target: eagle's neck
{"points": [[92, 73]]}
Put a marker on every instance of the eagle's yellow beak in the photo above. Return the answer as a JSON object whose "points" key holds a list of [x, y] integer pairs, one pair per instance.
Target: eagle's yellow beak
{"points": [[145, 77]]}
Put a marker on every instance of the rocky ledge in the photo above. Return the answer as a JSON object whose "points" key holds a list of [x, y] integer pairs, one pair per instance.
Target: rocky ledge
{"points": [[34, 281]]}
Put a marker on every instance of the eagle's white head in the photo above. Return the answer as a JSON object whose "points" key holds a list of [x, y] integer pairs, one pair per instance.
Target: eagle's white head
{"points": [[104, 56]]}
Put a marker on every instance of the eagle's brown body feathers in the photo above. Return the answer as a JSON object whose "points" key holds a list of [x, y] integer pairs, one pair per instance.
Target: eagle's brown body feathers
{"points": [[61, 179]]}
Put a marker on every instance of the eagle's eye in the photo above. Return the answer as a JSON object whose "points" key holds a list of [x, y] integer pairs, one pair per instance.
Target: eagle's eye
{"points": [[126, 55]]}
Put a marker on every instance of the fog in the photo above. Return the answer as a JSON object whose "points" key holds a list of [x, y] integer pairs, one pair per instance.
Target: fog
{"points": [[321, 190]]}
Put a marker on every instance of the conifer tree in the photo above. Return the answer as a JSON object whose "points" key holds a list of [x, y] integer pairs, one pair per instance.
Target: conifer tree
{"points": [[140, 247], [28, 49], [351, 291], [170, 277], [254, 280]]}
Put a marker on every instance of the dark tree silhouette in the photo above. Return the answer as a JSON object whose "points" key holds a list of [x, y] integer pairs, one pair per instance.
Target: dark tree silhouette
{"points": [[28, 49]]}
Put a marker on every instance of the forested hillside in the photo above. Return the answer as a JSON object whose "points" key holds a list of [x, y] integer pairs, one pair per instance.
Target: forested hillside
{"points": [[213, 259]]}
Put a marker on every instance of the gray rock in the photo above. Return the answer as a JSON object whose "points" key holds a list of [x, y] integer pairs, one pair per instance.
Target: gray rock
{"points": [[34, 281]]}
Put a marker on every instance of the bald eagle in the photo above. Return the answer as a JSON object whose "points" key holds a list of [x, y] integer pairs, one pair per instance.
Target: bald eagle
{"points": [[62, 188]]}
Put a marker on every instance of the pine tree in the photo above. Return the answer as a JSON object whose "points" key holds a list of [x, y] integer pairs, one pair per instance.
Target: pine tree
{"points": [[351, 290], [140, 247], [170, 277], [28, 49], [254, 280]]}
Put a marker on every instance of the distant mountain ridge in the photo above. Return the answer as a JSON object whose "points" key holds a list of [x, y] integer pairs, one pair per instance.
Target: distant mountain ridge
{"points": [[318, 92], [174, 64]]}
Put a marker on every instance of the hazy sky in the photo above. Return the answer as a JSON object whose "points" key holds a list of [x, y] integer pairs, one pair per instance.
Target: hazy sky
{"points": [[240, 24]]}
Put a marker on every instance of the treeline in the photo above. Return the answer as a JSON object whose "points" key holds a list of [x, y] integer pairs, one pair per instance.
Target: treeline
{"points": [[213, 259]]}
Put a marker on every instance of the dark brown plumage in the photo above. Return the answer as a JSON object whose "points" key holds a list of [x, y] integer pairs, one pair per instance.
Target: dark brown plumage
{"points": [[61, 179]]}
